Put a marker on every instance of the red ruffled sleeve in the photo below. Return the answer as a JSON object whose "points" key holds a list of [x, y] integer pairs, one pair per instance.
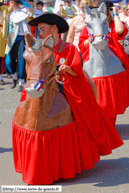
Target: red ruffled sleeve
{"points": [[116, 47], [84, 51], [114, 34]]}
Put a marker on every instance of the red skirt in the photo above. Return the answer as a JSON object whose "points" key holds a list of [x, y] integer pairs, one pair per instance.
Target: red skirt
{"points": [[45, 156], [113, 93]]}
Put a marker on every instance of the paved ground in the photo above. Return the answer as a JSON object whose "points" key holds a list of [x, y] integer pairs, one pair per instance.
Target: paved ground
{"points": [[110, 175]]}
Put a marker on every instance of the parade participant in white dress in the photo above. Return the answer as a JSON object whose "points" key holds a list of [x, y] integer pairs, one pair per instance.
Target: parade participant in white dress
{"points": [[15, 43], [77, 24]]}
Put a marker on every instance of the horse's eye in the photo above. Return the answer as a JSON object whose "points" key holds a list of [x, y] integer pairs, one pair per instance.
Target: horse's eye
{"points": [[49, 61]]}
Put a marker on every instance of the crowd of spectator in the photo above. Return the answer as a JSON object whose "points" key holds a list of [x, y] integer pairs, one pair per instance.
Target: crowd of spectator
{"points": [[73, 12]]}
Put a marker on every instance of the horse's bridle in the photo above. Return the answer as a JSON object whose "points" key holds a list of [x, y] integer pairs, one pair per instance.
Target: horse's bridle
{"points": [[92, 36], [41, 79]]}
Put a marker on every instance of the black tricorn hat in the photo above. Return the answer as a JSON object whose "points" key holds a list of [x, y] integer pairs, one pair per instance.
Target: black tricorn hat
{"points": [[52, 19]]}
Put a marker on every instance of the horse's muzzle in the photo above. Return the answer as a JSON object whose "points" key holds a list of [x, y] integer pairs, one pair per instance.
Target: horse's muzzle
{"points": [[100, 45], [34, 93]]}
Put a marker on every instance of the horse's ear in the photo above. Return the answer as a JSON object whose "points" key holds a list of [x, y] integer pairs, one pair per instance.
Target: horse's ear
{"points": [[49, 41], [87, 10], [29, 39], [102, 8]]}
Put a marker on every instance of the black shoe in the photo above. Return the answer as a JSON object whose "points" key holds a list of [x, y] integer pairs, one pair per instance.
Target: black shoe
{"points": [[20, 88], [13, 84], [2, 82]]}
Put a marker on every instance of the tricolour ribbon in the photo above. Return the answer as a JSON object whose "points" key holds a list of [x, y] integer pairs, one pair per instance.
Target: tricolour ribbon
{"points": [[105, 37], [39, 84], [91, 37]]}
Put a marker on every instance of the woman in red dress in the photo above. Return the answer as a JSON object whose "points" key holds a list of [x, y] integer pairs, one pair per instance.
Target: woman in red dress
{"points": [[112, 90]]}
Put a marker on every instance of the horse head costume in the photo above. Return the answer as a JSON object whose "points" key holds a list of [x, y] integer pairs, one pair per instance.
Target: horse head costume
{"points": [[102, 61], [45, 107]]}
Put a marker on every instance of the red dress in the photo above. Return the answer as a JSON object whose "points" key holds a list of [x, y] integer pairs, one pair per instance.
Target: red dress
{"points": [[112, 91], [45, 156]]}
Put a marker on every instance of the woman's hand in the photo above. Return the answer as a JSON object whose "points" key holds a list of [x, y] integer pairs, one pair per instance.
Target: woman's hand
{"points": [[64, 68], [119, 27], [115, 9], [86, 43]]}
